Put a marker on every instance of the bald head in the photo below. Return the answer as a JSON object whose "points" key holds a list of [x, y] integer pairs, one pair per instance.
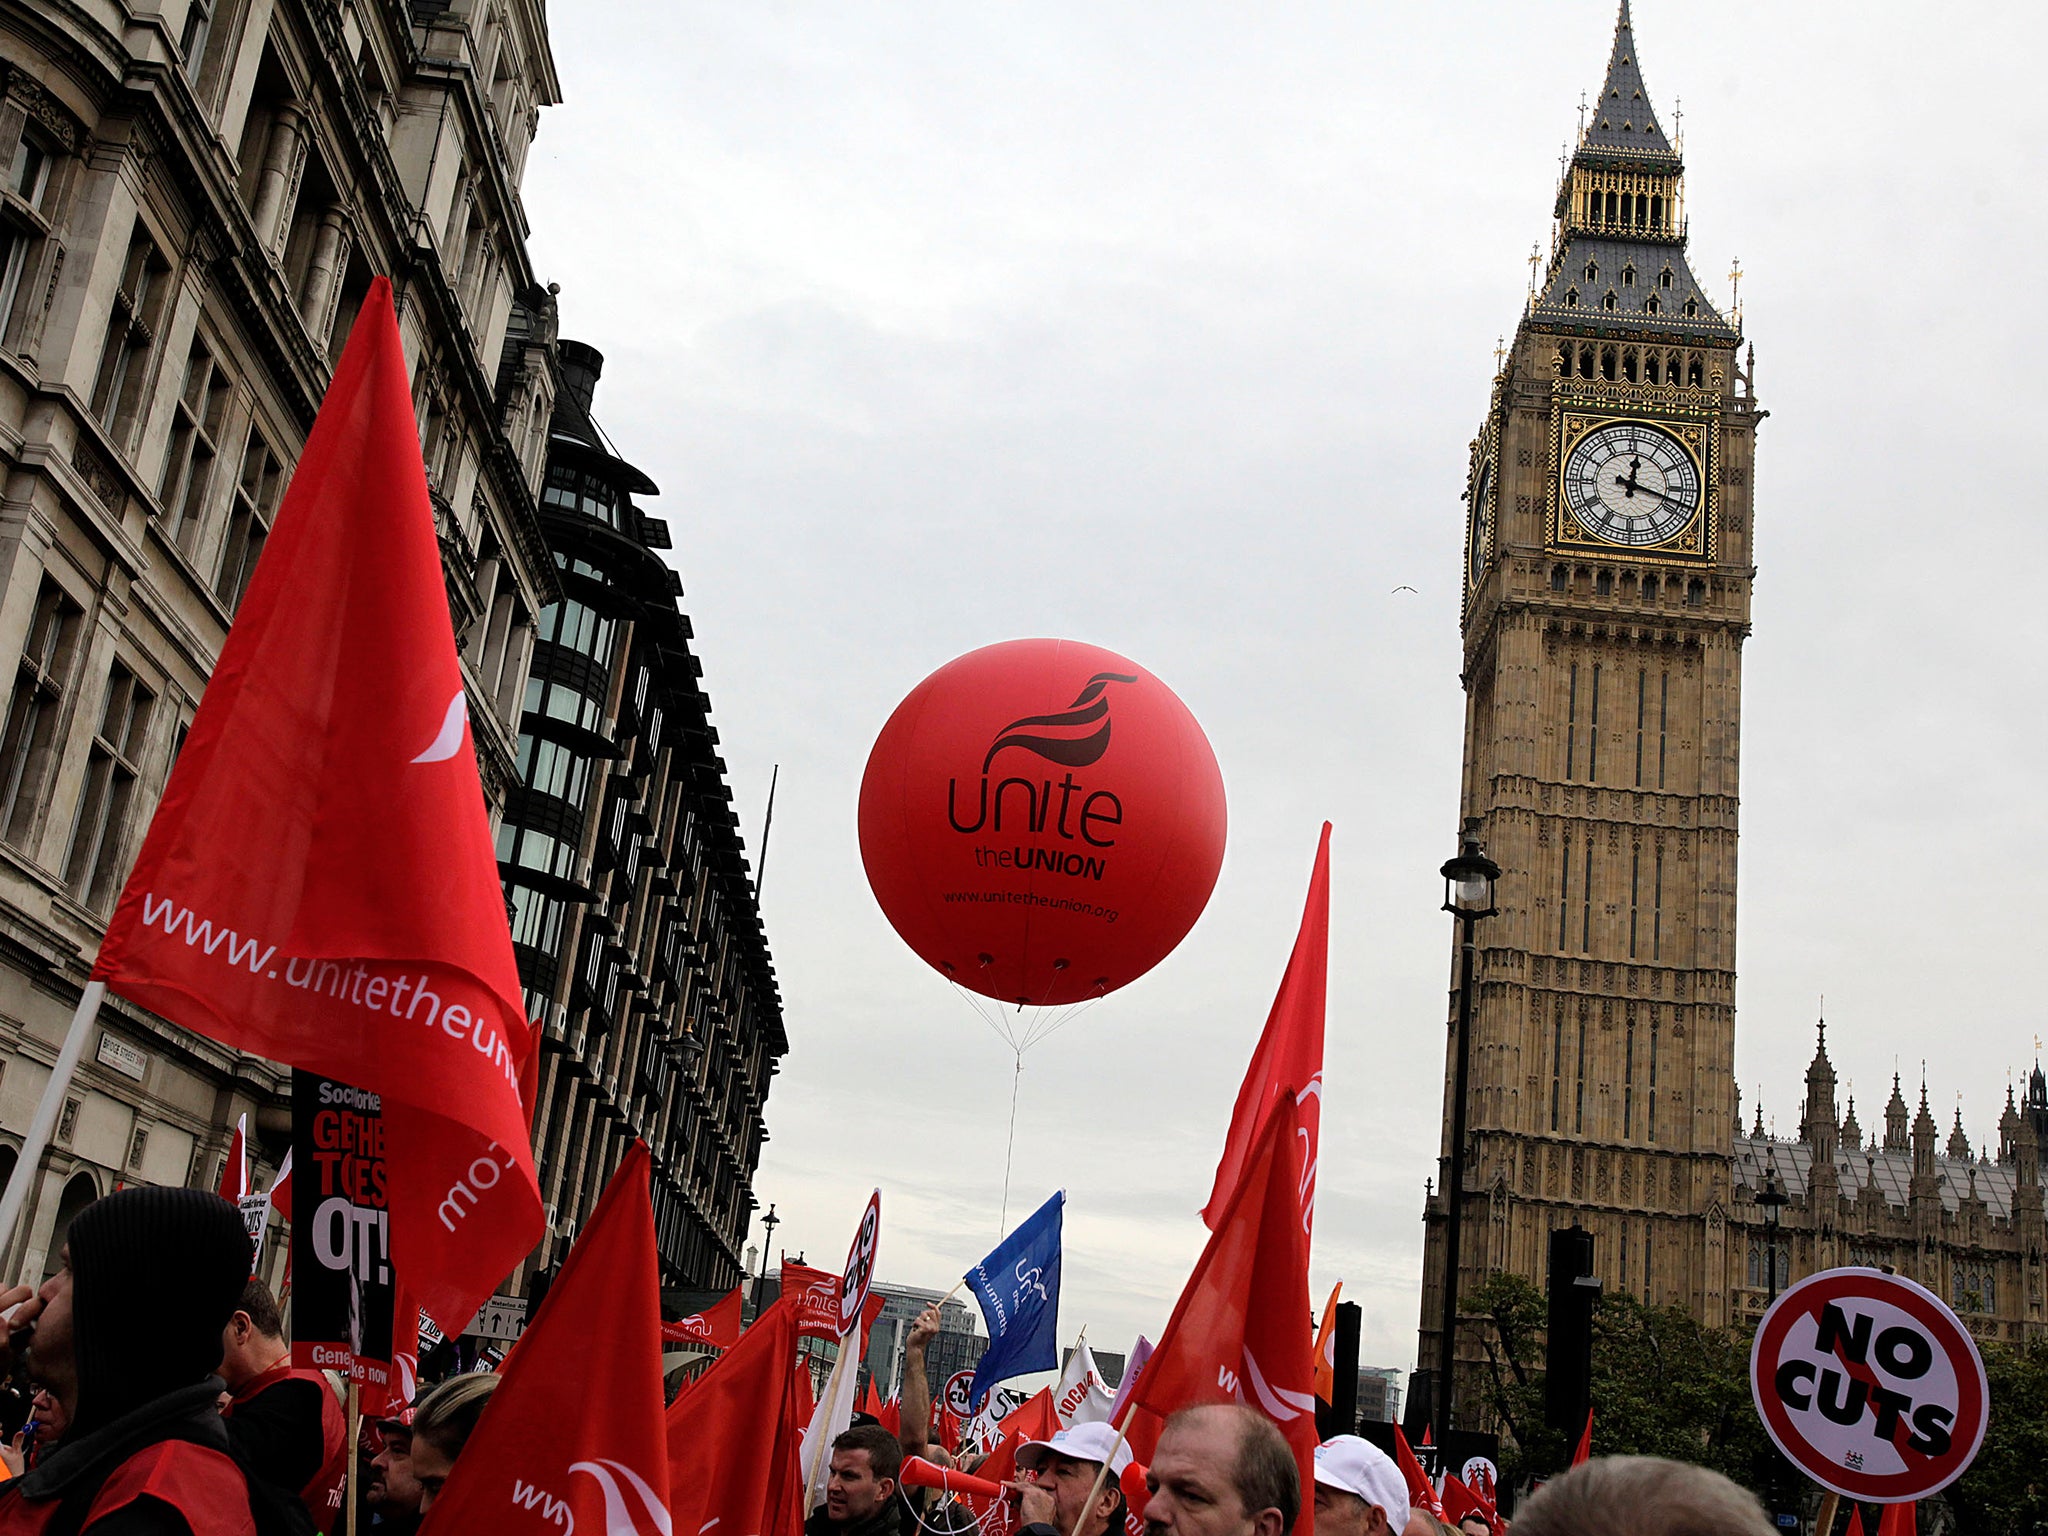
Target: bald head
{"points": [[1641, 1496]]}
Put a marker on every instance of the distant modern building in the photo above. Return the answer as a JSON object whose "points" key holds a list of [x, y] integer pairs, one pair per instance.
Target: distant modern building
{"points": [[956, 1346], [1379, 1393], [194, 198], [634, 918]]}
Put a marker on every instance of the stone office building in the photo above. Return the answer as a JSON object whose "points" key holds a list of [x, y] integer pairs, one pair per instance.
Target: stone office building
{"points": [[194, 196]]}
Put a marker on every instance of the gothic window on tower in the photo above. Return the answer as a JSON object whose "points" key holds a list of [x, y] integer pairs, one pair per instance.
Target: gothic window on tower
{"points": [[1642, 697], [1579, 1088], [1664, 278], [1611, 301], [1657, 909], [1650, 362], [1628, 1082], [1663, 718], [1593, 727], [1628, 277], [1571, 730], [1571, 298], [1609, 363], [1586, 910], [1635, 885], [1650, 1108], [1650, 307], [1556, 1060], [1564, 890]]}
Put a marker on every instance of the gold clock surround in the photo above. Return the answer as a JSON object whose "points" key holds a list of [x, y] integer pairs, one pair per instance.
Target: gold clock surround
{"points": [[1577, 412]]}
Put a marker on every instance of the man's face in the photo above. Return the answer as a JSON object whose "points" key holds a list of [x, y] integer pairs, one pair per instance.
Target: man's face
{"points": [[1192, 1487], [50, 1362], [1069, 1481], [1473, 1525], [853, 1492], [1345, 1514], [430, 1470], [393, 1488]]}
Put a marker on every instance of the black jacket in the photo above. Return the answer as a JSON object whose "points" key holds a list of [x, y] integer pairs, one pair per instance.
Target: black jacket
{"points": [[75, 1471]]}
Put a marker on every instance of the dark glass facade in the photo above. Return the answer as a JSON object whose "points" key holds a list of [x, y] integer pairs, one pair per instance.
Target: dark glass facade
{"points": [[633, 915]]}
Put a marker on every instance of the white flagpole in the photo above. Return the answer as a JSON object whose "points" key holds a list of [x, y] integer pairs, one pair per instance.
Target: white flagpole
{"points": [[28, 1166]]}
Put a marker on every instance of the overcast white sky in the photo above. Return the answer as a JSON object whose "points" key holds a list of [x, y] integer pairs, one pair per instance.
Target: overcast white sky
{"points": [[1165, 327]]}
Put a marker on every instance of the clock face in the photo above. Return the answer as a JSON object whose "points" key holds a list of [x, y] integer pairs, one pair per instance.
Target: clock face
{"points": [[1482, 519], [1632, 483]]}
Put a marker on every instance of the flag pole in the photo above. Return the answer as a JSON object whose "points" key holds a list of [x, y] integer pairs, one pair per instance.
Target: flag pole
{"points": [[355, 1432], [45, 1121], [1824, 1522]]}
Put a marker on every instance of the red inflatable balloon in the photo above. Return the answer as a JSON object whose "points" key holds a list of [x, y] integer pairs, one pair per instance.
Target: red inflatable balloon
{"points": [[1042, 821]]}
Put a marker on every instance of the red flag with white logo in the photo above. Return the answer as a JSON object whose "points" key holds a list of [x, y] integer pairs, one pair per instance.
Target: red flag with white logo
{"points": [[1236, 1334], [595, 1459], [1421, 1492], [1289, 1055], [718, 1325], [318, 885], [732, 1438]]}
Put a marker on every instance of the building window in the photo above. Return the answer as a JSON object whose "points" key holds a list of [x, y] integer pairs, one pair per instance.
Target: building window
{"points": [[192, 37], [1650, 1112], [580, 628], [549, 768], [22, 222], [93, 866], [575, 490], [536, 919], [27, 748], [255, 504], [195, 442], [132, 330], [1976, 1288]]}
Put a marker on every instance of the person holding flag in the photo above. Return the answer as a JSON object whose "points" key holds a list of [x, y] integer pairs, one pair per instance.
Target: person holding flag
{"points": [[1063, 1491], [284, 1423]]}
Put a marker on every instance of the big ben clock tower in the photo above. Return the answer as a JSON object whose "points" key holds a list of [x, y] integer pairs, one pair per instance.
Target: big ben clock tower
{"points": [[1606, 599]]}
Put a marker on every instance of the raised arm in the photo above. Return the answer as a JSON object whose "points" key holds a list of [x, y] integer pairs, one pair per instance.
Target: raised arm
{"points": [[917, 1388]]}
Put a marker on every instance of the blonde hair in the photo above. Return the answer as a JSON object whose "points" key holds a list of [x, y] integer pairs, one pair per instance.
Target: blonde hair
{"points": [[447, 1416]]}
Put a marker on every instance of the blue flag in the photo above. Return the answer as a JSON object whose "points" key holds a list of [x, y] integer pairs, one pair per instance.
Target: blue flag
{"points": [[1018, 1287]]}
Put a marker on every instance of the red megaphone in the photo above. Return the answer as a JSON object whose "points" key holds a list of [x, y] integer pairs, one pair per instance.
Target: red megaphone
{"points": [[919, 1473]]}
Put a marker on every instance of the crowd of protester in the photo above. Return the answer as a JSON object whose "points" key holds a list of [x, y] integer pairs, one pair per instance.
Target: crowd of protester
{"points": [[165, 1403]]}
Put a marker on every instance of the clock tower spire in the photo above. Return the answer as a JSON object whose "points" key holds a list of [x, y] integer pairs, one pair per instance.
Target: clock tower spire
{"points": [[1607, 588]]}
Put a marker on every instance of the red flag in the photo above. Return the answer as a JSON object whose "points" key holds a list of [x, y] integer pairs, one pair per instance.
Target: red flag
{"points": [[1460, 1501], [234, 1173], [1289, 1056], [1326, 1348], [388, 1386], [539, 1464], [1899, 1519], [816, 1294], [890, 1416], [717, 1325], [1855, 1527], [805, 1388], [1421, 1493], [732, 1438], [1236, 1331], [319, 885], [1585, 1451]]}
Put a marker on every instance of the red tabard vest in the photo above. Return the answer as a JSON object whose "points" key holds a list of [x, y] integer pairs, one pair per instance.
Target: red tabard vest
{"points": [[324, 1495], [203, 1485]]}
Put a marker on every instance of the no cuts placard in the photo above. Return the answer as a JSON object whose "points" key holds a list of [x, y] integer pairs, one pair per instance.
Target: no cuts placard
{"points": [[860, 1266], [1869, 1385]]}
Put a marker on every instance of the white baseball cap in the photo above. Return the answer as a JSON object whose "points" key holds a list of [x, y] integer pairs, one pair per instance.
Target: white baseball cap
{"points": [[1084, 1442], [1352, 1465]]}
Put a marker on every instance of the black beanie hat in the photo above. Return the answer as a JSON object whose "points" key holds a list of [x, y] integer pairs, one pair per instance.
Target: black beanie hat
{"points": [[155, 1276]]}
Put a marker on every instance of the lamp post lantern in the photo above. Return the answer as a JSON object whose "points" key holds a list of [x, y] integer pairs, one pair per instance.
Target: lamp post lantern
{"points": [[1773, 1199], [1468, 896]]}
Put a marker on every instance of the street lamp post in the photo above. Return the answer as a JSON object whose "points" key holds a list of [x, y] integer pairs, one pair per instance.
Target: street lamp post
{"points": [[1773, 1199], [1468, 896]]}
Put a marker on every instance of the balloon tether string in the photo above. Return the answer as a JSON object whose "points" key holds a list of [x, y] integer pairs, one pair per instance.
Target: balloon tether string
{"points": [[1016, 1080]]}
